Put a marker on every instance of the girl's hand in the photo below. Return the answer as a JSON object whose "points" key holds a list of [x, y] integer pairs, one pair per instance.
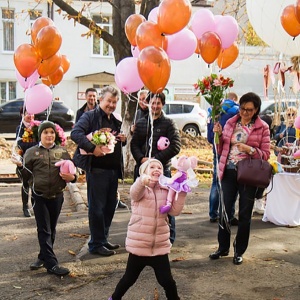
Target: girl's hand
{"points": [[145, 179]]}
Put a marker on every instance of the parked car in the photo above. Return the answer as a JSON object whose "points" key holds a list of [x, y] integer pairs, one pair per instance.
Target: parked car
{"points": [[268, 106], [10, 115], [189, 116]]}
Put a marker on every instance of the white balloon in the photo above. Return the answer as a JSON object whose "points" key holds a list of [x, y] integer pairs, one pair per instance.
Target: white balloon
{"points": [[264, 16]]}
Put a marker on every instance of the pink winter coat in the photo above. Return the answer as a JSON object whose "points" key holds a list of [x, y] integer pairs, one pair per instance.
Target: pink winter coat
{"points": [[148, 230], [259, 138]]}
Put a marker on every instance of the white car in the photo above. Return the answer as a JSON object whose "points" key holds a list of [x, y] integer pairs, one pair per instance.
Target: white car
{"points": [[189, 116]]}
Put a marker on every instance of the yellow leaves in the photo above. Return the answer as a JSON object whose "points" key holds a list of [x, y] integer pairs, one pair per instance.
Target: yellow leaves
{"points": [[77, 235], [71, 252], [178, 259]]}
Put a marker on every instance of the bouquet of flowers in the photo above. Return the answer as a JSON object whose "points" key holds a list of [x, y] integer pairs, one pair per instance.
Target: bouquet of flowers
{"points": [[103, 138], [31, 133], [213, 89]]}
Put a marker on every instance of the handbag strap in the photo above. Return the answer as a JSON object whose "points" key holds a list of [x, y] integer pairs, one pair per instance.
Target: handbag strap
{"points": [[265, 195]]}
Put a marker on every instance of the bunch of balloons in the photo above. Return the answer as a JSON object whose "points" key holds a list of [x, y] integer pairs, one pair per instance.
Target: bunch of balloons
{"points": [[216, 37], [167, 35], [290, 19], [40, 59]]}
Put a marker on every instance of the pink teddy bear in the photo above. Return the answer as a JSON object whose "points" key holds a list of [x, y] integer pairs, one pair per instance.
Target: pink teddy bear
{"points": [[66, 166], [181, 181]]}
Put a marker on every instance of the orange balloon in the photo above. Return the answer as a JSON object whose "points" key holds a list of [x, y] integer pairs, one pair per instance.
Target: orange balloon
{"points": [[210, 46], [154, 68], [148, 34], [197, 50], [57, 76], [38, 24], [131, 25], [48, 41], [65, 63], [26, 59], [297, 10], [289, 21], [173, 15], [50, 65], [228, 56], [46, 81]]}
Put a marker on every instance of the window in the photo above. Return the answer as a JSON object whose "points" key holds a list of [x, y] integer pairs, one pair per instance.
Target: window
{"points": [[8, 90], [187, 108], [8, 16], [175, 109], [100, 47]]}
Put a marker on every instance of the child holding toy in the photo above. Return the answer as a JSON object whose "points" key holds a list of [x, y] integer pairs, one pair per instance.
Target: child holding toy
{"points": [[146, 248], [49, 182]]}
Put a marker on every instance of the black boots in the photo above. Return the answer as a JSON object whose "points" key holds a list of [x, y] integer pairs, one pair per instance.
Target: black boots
{"points": [[26, 211]]}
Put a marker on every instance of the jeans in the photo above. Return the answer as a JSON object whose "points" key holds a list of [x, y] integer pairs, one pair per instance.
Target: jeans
{"points": [[102, 185], [247, 194], [46, 213], [214, 196]]}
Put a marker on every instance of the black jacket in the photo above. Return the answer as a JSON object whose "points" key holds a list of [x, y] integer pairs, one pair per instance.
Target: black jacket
{"points": [[81, 111], [163, 126], [89, 122]]}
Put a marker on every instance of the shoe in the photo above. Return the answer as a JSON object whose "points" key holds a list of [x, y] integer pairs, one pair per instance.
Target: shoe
{"points": [[234, 222], [213, 220], [103, 251], [59, 271], [218, 254], [121, 204], [111, 246], [26, 211], [237, 259], [37, 265]]}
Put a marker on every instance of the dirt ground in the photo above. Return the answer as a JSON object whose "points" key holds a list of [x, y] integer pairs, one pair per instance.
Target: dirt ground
{"points": [[270, 270]]}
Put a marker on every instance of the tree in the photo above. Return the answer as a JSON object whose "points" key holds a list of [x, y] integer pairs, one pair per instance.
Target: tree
{"points": [[121, 10]]}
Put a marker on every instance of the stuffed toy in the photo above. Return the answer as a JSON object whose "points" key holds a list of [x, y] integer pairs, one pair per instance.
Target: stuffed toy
{"points": [[181, 181], [163, 143], [66, 166]]}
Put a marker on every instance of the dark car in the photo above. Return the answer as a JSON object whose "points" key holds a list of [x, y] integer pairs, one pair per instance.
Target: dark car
{"points": [[10, 115]]}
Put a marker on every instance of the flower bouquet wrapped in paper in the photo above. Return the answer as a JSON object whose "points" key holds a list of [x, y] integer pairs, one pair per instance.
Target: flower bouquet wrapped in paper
{"points": [[103, 138], [31, 133]]}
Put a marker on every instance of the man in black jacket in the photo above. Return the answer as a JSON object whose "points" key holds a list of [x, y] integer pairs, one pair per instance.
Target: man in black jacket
{"points": [[145, 137], [102, 169], [91, 98]]}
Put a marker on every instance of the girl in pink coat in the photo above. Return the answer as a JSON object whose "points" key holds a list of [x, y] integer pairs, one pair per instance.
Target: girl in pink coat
{"points": [[148, 232]]}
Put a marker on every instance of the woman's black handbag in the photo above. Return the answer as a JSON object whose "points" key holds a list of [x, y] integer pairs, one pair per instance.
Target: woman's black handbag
{"points": [[254, 172]]}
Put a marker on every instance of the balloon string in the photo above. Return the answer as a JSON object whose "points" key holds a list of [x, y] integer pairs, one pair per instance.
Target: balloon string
{"points": [[151, 128]]}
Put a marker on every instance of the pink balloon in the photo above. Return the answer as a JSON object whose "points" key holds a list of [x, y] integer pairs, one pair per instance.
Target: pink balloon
{"points": [[181, 45], [202, 21], [135, 51], [227, 29], [29, 81], [38, 98], [127, 76], [297, 122], [153, 15]]}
